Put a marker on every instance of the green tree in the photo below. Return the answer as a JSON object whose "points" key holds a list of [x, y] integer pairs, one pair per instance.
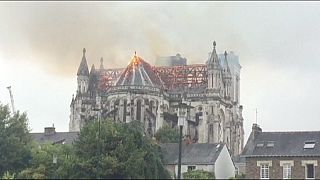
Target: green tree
{"points": [[198, 174], [240, 176], [15, 141], [120, 150], [167, 134], [42, 164]]}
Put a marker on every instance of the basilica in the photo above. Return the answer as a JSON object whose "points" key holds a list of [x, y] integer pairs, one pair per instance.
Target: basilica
{"points": [[152, 94]]}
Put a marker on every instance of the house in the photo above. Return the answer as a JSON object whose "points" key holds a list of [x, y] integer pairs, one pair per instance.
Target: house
{"points": [[199, 156], [282, 155], [50, 135]]}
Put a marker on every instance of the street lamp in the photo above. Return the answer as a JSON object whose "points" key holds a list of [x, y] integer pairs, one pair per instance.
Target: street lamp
{"points": [[181, 120]]}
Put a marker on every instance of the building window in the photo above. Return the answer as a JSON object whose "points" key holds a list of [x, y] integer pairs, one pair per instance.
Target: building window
{"points": [[124, 116], [287, 171], [191, 168], [210, 133], [138, 115], [260, 144], [309, 144], [264, 171], [270, 144], [310, 171]]}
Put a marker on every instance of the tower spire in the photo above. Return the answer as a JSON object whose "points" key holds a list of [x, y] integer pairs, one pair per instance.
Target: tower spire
{"points": [[214, 56], [226, 61], [84, 52], [101, 63], [83, 68]]}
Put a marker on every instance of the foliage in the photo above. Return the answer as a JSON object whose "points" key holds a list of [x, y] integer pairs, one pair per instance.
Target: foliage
{"points": [[106, 150], [7, 175], [117, 150], [198, 174], [167, 134], [42, 166], [14, 142], [240, 176]]}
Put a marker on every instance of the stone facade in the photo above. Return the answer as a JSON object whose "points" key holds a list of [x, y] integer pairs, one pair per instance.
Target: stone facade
{"points": [[147, 94], [276, 171]]}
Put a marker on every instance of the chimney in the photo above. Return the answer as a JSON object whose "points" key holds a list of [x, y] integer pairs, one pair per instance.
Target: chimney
{"points": [[256, 130], [49, 130]]}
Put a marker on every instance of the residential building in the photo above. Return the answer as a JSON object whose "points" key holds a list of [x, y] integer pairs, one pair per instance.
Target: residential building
{"points": [[51, 136], [282, 155], [199, 156]]}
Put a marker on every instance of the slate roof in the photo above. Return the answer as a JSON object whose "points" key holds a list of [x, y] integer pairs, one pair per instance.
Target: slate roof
{"points": [[285, 144], [197, 153], [57, 137], [139, 72]]}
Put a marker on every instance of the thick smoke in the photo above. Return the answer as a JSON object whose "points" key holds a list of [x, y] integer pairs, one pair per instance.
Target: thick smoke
{"points": [[52, 34]]}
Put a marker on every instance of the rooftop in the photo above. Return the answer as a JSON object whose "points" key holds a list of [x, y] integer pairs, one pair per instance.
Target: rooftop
{"points": [[197, 153], [292, 143]]}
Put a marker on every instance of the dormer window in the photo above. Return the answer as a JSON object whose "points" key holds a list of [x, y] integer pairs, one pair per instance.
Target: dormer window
{"points": [[260, 144], [309, 144], [270, 144]]}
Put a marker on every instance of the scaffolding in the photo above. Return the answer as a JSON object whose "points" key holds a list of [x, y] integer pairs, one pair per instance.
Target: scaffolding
{"points": [[173, 77]]}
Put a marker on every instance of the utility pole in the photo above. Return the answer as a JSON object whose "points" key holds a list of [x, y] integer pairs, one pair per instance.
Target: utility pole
{"points": [[11, 97]]}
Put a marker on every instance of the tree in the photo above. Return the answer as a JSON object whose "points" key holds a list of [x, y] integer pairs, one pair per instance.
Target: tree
{"points": [[117, 150], [198, 174], [167, 134], [42, 164], [15, 141]]}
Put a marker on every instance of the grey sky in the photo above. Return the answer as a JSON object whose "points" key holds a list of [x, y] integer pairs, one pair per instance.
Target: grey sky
{"points": [[277, 42]]}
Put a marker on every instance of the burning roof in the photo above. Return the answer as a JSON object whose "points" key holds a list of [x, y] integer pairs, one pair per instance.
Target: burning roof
{"points": [[139, 72]]}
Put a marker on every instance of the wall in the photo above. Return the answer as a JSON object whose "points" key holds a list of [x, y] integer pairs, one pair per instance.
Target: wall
{"points": [[275, 171], [224, 167]]}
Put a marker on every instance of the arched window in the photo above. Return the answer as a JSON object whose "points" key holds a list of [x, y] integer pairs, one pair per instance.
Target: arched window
{"points": [[124, 110], [138, 115], [151, 104], [210, 133]]}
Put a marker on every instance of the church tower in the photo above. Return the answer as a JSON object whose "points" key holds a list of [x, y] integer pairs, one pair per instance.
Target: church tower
{"points": [[214, 72], [83, 74], [227, 77], [76, 106]]}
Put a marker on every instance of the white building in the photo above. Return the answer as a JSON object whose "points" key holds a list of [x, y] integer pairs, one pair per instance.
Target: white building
{"points": [[213, 158]]}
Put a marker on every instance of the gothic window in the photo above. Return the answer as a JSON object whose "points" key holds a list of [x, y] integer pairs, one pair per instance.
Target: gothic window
{"points": [[211, 110], [228, 142], [216, 81], [131, 112], [124, 110], [211, 80], [210, 132], [151, 104], [138, 115]]}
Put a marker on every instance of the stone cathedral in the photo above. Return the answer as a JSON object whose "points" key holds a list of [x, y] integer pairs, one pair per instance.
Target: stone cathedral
{"points": [[150, 94]]}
